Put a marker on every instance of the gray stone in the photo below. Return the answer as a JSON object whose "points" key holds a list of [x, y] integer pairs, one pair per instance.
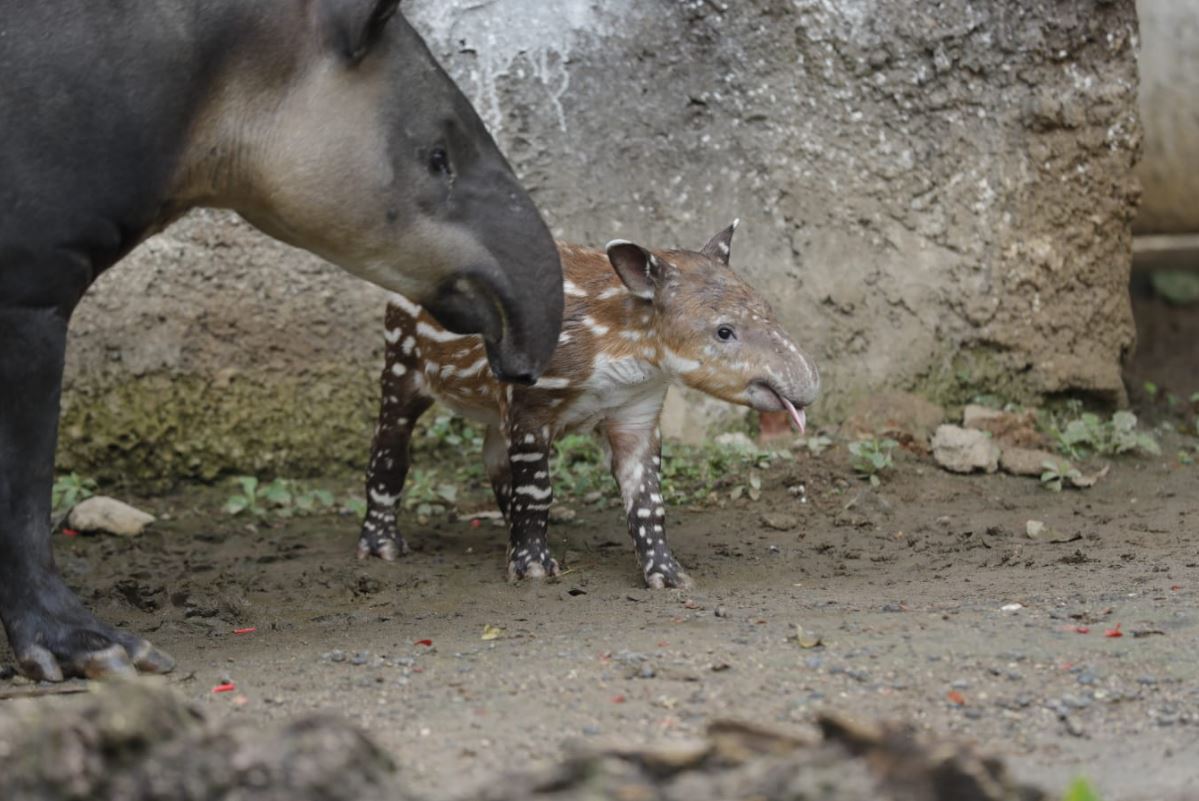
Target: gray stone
{"points": [[962, 450], [1030, 462], [780, 521]]}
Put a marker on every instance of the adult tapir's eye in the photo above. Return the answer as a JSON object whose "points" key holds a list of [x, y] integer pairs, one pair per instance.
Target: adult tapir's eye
{"points": [[724, 333], [439, 161]]}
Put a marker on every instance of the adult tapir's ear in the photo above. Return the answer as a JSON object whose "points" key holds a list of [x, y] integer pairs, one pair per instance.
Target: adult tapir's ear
{"points": [[353, 26], [721, 246], [639, 269]]}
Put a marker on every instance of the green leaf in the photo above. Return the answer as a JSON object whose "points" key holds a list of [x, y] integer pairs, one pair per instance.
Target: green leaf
{"points": [[1080, 790], [355, 506], [248, 484], [447, 492], [236, 505], [323, 497], [1180, 287]]}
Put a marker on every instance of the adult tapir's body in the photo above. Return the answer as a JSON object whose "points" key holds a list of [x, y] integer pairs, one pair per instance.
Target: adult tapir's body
{"points": [[320, 121]]}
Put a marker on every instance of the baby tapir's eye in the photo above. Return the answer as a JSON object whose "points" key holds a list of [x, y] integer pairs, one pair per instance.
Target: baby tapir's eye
{"points": [[724, 333], [439, 161]]}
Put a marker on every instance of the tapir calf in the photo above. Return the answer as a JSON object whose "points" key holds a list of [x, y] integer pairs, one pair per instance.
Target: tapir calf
{"points": [[325, 123], [636, 321]]}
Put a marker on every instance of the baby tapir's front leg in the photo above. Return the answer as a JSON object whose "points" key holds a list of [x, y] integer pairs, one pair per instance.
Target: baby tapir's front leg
{"points": [[402, 404], [637, 466], [529, 502]]}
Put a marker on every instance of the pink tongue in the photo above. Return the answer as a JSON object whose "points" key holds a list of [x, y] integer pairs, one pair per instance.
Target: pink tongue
{"points": [[798, 418]]}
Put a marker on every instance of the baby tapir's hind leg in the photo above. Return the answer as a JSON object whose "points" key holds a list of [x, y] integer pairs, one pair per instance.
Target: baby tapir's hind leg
{"points": [[637, 466], [529, 503], [402, 404], [499, 470]]}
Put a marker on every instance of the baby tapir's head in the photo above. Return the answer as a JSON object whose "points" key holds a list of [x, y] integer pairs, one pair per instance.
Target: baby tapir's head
{"points": [[714, 332]]}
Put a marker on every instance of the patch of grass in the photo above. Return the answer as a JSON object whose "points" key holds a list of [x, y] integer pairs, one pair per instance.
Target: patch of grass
{"points": [[815, 444], [870, 457], [281, 497], [1079, 435], [69, 490]]}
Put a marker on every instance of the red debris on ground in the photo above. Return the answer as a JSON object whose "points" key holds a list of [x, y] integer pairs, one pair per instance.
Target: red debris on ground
{"points": [[618, 699], [475, 522], [247, 630], [1175, 587], [956, 697], [426, 643], [70, 532], [227, 687], [1114, 632]]}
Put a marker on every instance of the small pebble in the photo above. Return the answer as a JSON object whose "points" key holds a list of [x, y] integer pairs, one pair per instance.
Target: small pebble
{"points": [[972, 712], [646, 672], [892, 607], [336, 656], [813, 662], [592, 731], [1087, 678], [360, 658], [721, 612], [1147, 681], [960, 684]]}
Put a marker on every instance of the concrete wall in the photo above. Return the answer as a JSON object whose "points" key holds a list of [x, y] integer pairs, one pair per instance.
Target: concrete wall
{"points": [[1169, 105], [936, 197]]}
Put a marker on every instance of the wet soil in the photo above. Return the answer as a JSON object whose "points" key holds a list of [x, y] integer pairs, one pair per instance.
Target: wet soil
{"points": [[905, 586]]}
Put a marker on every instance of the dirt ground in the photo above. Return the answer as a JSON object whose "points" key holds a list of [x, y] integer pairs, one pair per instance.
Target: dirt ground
{"points": [[911, 590], [905, 586]]}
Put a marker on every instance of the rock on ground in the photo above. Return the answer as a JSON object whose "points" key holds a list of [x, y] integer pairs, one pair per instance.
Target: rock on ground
{"points": [[901, 415], [1014, 429], [108, 515], [138, 741], [964, 450], [1030, 462]]}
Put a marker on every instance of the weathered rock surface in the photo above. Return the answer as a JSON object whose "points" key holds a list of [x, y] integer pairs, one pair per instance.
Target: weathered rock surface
{"points": [[1030, 462], [936, 197], [964, 450], [903, 416]]}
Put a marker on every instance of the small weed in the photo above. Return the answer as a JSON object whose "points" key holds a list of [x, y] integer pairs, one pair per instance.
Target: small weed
{"points": [[578, 466], [815, 445], [1080, 790], [69, 490], [1080, 435], [1151, 389], [1053, 477], [870, 457], [282, 497]]}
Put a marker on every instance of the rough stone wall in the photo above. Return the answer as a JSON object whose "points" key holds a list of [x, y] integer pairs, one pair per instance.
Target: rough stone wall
{"points": [[935, 196]]}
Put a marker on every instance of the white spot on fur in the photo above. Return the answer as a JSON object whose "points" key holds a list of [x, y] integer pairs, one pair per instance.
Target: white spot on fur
{"points": [[408, 344], [545, 382], [403, 304], [398, 369], [596, 328], [436, 334], [609, 293], [679, 365], [393, 335], [570, 288], [526, 457], [533, 491], [382, 498], [643, 513]]}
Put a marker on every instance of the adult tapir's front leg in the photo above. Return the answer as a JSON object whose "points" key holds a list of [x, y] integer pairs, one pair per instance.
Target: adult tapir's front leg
{"points": [[50, 632], [637, 466], [529, 502]]}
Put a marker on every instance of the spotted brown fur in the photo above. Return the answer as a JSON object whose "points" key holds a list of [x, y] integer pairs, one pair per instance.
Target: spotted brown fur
{"points": [[635, 321]]}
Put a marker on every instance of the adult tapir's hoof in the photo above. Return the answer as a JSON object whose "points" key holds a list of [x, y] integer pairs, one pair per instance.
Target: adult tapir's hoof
{"points": [[667, 574], [69, 643]]}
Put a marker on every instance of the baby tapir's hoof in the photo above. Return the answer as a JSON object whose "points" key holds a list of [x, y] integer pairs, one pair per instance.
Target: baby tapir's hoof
{"points": [[531, 563], [669, 574], [381, 538]]}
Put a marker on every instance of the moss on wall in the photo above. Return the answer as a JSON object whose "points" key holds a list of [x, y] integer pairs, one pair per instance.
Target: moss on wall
{"points": [[153, 431]]}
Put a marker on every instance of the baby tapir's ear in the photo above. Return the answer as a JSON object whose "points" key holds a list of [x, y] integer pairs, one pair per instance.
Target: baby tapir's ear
{"points": [[721, 245], [639, 269]]}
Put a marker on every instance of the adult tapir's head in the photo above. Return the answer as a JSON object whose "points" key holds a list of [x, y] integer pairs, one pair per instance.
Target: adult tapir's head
{"points": [[337, 131]]}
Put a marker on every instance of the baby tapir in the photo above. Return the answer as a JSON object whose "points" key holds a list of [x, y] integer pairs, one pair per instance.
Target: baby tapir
{"points": [[635, 321]]}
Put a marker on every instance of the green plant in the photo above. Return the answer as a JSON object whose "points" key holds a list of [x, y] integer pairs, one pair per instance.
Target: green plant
{"points": [[1086, 434], [870, 457], [1080, 790], [578, 466], [815, 444], [1053, 475], [282, 497], [69, 490]]}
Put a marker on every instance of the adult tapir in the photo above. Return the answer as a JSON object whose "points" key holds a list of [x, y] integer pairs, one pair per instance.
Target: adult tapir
{"points": [[325, 123]]}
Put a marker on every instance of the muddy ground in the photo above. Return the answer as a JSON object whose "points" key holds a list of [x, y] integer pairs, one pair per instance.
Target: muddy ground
{"points": [[905, 585]]}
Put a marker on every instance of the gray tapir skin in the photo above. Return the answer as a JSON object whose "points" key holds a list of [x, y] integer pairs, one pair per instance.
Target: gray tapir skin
{"points": [[325, 123]]}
